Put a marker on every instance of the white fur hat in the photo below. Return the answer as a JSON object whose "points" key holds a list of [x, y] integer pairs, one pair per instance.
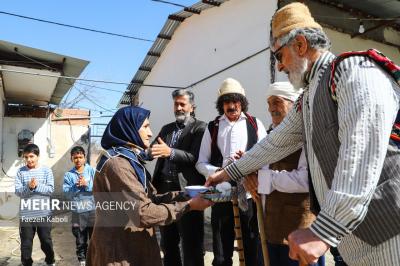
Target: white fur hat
{"points": [[284, 90], [230, 85]]}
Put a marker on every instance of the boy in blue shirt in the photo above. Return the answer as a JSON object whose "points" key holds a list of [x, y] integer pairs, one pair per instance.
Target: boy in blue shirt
{"points": [[34, 183], [78, 185]]}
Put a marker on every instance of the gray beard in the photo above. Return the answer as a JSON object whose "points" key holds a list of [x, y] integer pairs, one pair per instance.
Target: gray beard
{"points": [[297, 77], [181, 118]]}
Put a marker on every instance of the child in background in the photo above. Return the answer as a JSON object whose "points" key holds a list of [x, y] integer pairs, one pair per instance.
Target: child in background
{"points": [[78, 184], [34, 182]]}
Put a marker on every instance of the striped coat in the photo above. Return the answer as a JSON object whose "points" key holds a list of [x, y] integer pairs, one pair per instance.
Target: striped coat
{"points": [[45, 187], [367, 108]]}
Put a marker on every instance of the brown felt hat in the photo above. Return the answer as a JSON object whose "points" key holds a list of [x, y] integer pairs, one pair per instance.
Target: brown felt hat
{"points": [[292, 16]]}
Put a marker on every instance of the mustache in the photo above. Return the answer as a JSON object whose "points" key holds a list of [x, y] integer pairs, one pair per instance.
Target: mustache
{"points": [[180, 113], [231, 110], [276, 113]]}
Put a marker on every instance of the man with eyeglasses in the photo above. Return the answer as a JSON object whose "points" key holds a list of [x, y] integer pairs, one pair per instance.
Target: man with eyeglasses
{"points": [[346, 121], [176, 149]]}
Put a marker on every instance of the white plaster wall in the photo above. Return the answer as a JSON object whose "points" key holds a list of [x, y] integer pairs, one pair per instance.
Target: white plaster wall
{"points": [[64, 138], [219, 37], [205, 44], [3, 182], [1, 122]]}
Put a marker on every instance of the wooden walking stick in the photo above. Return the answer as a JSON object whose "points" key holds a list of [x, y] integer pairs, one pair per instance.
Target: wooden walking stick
{"points": [[238, 229], [263, 236], [261, 228], [236, 219]]}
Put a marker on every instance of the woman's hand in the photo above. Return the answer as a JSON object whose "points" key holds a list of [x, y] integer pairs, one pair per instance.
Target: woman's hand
{"points": [[198, 203]]}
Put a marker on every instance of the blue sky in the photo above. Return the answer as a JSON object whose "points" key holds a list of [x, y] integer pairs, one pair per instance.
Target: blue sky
{"points": [[111, 58]]}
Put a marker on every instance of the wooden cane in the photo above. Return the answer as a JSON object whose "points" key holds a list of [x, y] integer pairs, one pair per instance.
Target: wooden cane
{"points": [[236, 219], [261, 228], [238, 230]]}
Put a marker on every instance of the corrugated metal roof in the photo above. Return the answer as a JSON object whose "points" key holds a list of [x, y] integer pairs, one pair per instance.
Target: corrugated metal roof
{"points": [[173, 22]]}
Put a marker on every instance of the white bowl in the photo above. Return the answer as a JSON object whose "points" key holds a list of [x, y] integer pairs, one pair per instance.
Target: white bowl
{"points": [[193, 191]]}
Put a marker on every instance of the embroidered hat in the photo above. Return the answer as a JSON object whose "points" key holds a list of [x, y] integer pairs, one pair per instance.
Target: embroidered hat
{"points": [[284, 90], [292, 16], [230, 85]]}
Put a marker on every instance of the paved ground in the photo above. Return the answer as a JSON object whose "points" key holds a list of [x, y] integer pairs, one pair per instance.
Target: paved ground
{"points": [[64, 246]]}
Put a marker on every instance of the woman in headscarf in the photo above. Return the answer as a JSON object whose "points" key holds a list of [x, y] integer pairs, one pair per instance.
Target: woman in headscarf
{"points": [[126, 236]]}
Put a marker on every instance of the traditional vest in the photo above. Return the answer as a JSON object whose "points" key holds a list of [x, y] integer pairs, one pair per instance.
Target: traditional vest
{"points": [[213, 127], [382, 220], [286, 212]]}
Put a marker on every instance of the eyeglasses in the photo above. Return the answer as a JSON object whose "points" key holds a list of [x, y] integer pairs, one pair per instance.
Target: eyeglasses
{"points": [[277, 54]]}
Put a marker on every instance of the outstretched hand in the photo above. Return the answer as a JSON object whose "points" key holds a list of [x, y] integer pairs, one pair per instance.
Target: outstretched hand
{"points": [[198, 203], [160, 150], [216, 178]]}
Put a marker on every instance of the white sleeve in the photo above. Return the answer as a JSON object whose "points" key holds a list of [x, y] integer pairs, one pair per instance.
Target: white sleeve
{"points": [[295, 181], [261, 132], [203, 163], [264, 181]]}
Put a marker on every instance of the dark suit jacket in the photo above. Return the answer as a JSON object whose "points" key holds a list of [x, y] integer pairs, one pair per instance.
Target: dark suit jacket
{"points": [[186, 153]]}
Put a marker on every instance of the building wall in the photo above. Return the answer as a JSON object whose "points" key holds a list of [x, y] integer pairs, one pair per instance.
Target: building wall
{"points": [[205, 44], [2, 111], [3, 182], [219, 37], [343, 42], [63, 137]]}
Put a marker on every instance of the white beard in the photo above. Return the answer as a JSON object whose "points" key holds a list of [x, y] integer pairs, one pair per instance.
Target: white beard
{"points": [[297, 74], [181, 118]]}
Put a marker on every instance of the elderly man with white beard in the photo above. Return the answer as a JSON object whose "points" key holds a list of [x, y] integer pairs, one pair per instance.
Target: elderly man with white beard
{"points": [[347, 121]]}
